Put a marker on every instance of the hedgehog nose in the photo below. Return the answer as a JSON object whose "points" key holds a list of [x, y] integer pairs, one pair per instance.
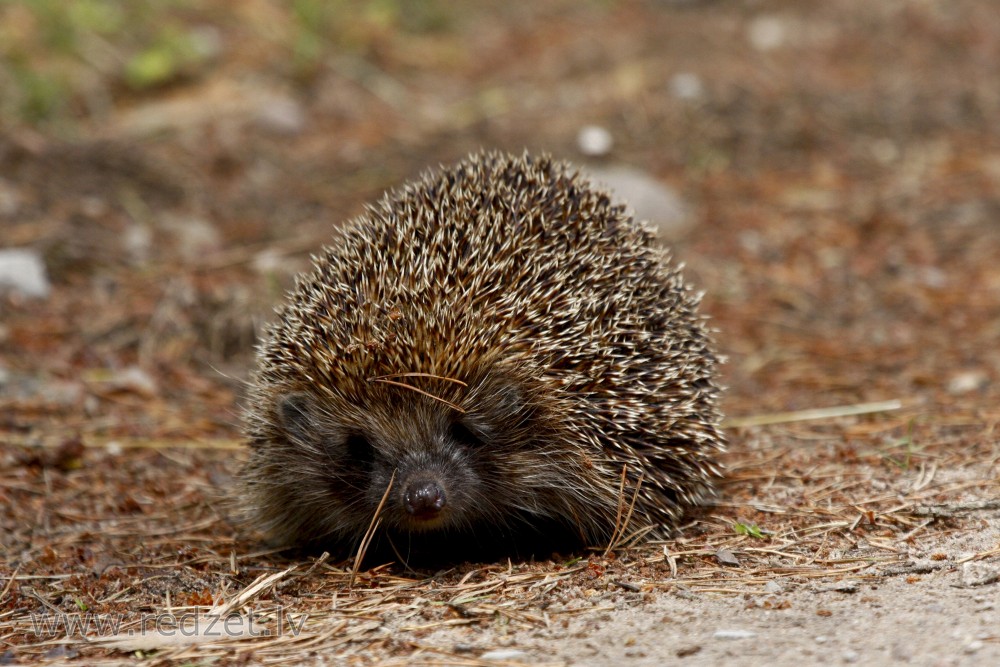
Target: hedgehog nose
{"points": [[424, 499]]}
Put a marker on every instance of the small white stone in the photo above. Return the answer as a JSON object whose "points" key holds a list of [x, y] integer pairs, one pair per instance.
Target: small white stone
{"points": [[966, 381], [766, 33], [138, 242], [93, 207], [774, 587], [594, 140], [649, 199], [281, 115], [734, 634], [973, 646], [22, 270], [851, 656], [195, 236], [504, 654], [979, 574], [932, 277], [686, 86], [136, 380]]}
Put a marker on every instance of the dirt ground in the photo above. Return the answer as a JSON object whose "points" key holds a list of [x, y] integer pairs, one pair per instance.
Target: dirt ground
{"points": [[837, 166]]}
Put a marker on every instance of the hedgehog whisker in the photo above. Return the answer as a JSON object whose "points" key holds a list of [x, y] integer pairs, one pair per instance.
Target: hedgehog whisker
{"points": [[419, 391], [395, 550], [418, 375]]}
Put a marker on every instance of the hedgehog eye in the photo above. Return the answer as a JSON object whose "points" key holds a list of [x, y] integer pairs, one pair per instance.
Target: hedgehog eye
{"points": [[461, 434], [358, 448]]}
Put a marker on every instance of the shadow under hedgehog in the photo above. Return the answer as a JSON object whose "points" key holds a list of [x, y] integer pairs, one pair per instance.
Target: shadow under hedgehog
{"points": [[502, 355]]}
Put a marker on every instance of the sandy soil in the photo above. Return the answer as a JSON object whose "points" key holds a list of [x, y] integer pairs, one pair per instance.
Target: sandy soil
{"points": [[930, 619]]}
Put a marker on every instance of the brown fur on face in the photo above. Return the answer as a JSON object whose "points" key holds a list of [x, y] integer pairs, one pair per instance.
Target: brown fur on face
{"points": [[500, 340]]}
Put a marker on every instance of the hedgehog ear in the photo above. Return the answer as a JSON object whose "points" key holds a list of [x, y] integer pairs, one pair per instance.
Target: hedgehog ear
{"points": [[503, 400], [510, 398], [500, 412], [296, 412]]}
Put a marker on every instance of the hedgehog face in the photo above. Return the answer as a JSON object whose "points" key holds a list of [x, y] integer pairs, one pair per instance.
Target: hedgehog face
{"points": [[452, 470], [431, 466]]}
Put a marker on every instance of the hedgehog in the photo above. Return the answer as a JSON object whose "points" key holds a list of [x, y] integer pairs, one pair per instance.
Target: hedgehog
{"points": [[494, 360]]}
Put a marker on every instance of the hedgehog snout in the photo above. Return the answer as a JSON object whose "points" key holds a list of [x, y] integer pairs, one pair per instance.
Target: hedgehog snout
{"points": [[424, 499], [433, 486]]}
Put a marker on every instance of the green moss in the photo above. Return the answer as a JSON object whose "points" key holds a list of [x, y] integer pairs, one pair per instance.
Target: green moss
{"points": [[171, 54], [748, 529]]}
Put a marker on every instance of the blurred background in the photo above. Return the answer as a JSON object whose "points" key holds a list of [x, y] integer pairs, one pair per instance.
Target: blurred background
{"points": [[829, 173]]}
